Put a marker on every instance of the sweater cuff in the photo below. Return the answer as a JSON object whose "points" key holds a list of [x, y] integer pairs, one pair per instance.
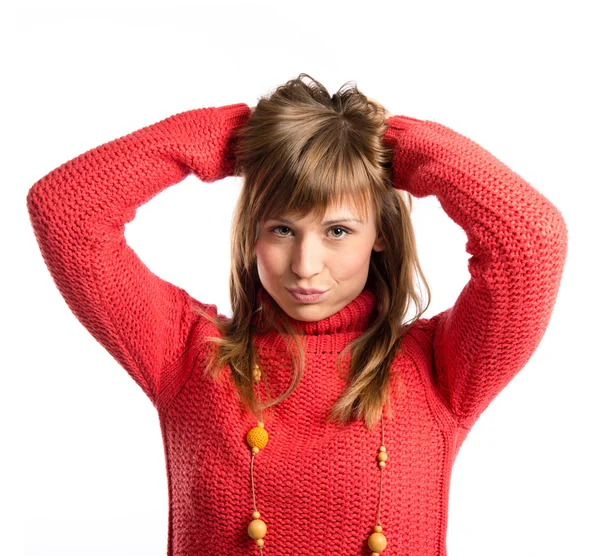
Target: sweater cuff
{"points": [[403, 160], [220, 148], [236, 114], [402, 122]]}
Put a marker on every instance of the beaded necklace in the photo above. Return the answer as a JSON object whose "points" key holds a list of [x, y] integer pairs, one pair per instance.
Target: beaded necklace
{"points": [[257, 439]]}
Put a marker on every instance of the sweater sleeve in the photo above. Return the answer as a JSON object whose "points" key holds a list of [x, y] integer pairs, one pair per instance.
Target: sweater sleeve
{"points": [[79, 210], [517, 240]]}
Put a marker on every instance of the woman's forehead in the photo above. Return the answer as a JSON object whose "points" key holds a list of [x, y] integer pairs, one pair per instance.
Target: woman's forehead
{"points": [[345, 207]]}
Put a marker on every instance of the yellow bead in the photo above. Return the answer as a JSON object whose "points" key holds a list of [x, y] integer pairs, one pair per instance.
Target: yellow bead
{"points": [[257, 529], [378, 528], [377, 542], [256, 373], [255, 515], [257, 437], [260, 542], [382, 448], [382, 456], [382, 464]]}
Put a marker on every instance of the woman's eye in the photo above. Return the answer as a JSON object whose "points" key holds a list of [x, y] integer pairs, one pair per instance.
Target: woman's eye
{"points": [[344, 230], [279, 228]]}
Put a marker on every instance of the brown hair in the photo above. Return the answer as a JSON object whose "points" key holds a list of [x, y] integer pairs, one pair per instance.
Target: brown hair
{"points": [[300, 152]]}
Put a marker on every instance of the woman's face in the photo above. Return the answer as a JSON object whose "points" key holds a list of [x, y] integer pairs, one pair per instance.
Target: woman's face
{"points": [[332, 256]]}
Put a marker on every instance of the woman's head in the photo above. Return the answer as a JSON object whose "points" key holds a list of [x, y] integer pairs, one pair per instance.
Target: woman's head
{"points": [[308, 161], [307, 157]]}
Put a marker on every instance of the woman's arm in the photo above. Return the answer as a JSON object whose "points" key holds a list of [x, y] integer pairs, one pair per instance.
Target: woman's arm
{"points": [[79, 211], [518, 242]]}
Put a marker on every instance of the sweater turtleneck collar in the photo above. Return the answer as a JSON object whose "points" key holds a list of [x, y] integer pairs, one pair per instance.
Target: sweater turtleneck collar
{"points": [[354, 317]]}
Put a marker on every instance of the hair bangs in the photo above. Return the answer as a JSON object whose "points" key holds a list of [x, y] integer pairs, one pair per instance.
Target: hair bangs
{"points": [[321, 179]]}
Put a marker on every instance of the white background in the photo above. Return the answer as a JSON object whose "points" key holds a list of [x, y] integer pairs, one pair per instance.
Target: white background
{"points": [[82, 460]]}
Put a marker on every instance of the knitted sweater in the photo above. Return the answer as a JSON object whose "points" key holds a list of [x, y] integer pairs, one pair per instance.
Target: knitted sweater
{"points": [[317, 484]]}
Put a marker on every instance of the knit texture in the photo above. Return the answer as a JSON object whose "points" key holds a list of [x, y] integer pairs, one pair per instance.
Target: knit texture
{"points": [[317, 484]]}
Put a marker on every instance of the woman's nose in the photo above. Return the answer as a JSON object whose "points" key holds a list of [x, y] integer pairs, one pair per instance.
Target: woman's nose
{"points": [[307, 259]]}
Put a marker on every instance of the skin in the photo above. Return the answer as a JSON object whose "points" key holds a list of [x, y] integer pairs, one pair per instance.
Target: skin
{"points": [[305, 253]]}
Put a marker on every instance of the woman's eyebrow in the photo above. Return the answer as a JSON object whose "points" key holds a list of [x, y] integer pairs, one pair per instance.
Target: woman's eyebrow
{"points": [[342, 220], [326, 223]]}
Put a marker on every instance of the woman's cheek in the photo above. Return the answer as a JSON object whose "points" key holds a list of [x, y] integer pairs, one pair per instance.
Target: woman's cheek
{"points": [[270, 256], [352, 261]]}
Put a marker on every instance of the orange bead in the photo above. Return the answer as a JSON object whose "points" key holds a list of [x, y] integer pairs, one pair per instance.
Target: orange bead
{"points": [[377, 542], [257, 529], [257, 437]]}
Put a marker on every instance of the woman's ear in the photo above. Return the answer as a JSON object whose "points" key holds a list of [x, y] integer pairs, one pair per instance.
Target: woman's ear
{"points": [[379, 244]]}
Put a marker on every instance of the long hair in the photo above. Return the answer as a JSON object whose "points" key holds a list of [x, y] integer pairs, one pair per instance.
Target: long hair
{"points": [[300, 152]]}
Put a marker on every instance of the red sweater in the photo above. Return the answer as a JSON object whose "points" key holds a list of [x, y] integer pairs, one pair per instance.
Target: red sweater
{"points": [[316, 485]]}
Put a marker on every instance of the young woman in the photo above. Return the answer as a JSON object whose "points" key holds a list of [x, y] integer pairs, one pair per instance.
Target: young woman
{"points": [[308, 423]]}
